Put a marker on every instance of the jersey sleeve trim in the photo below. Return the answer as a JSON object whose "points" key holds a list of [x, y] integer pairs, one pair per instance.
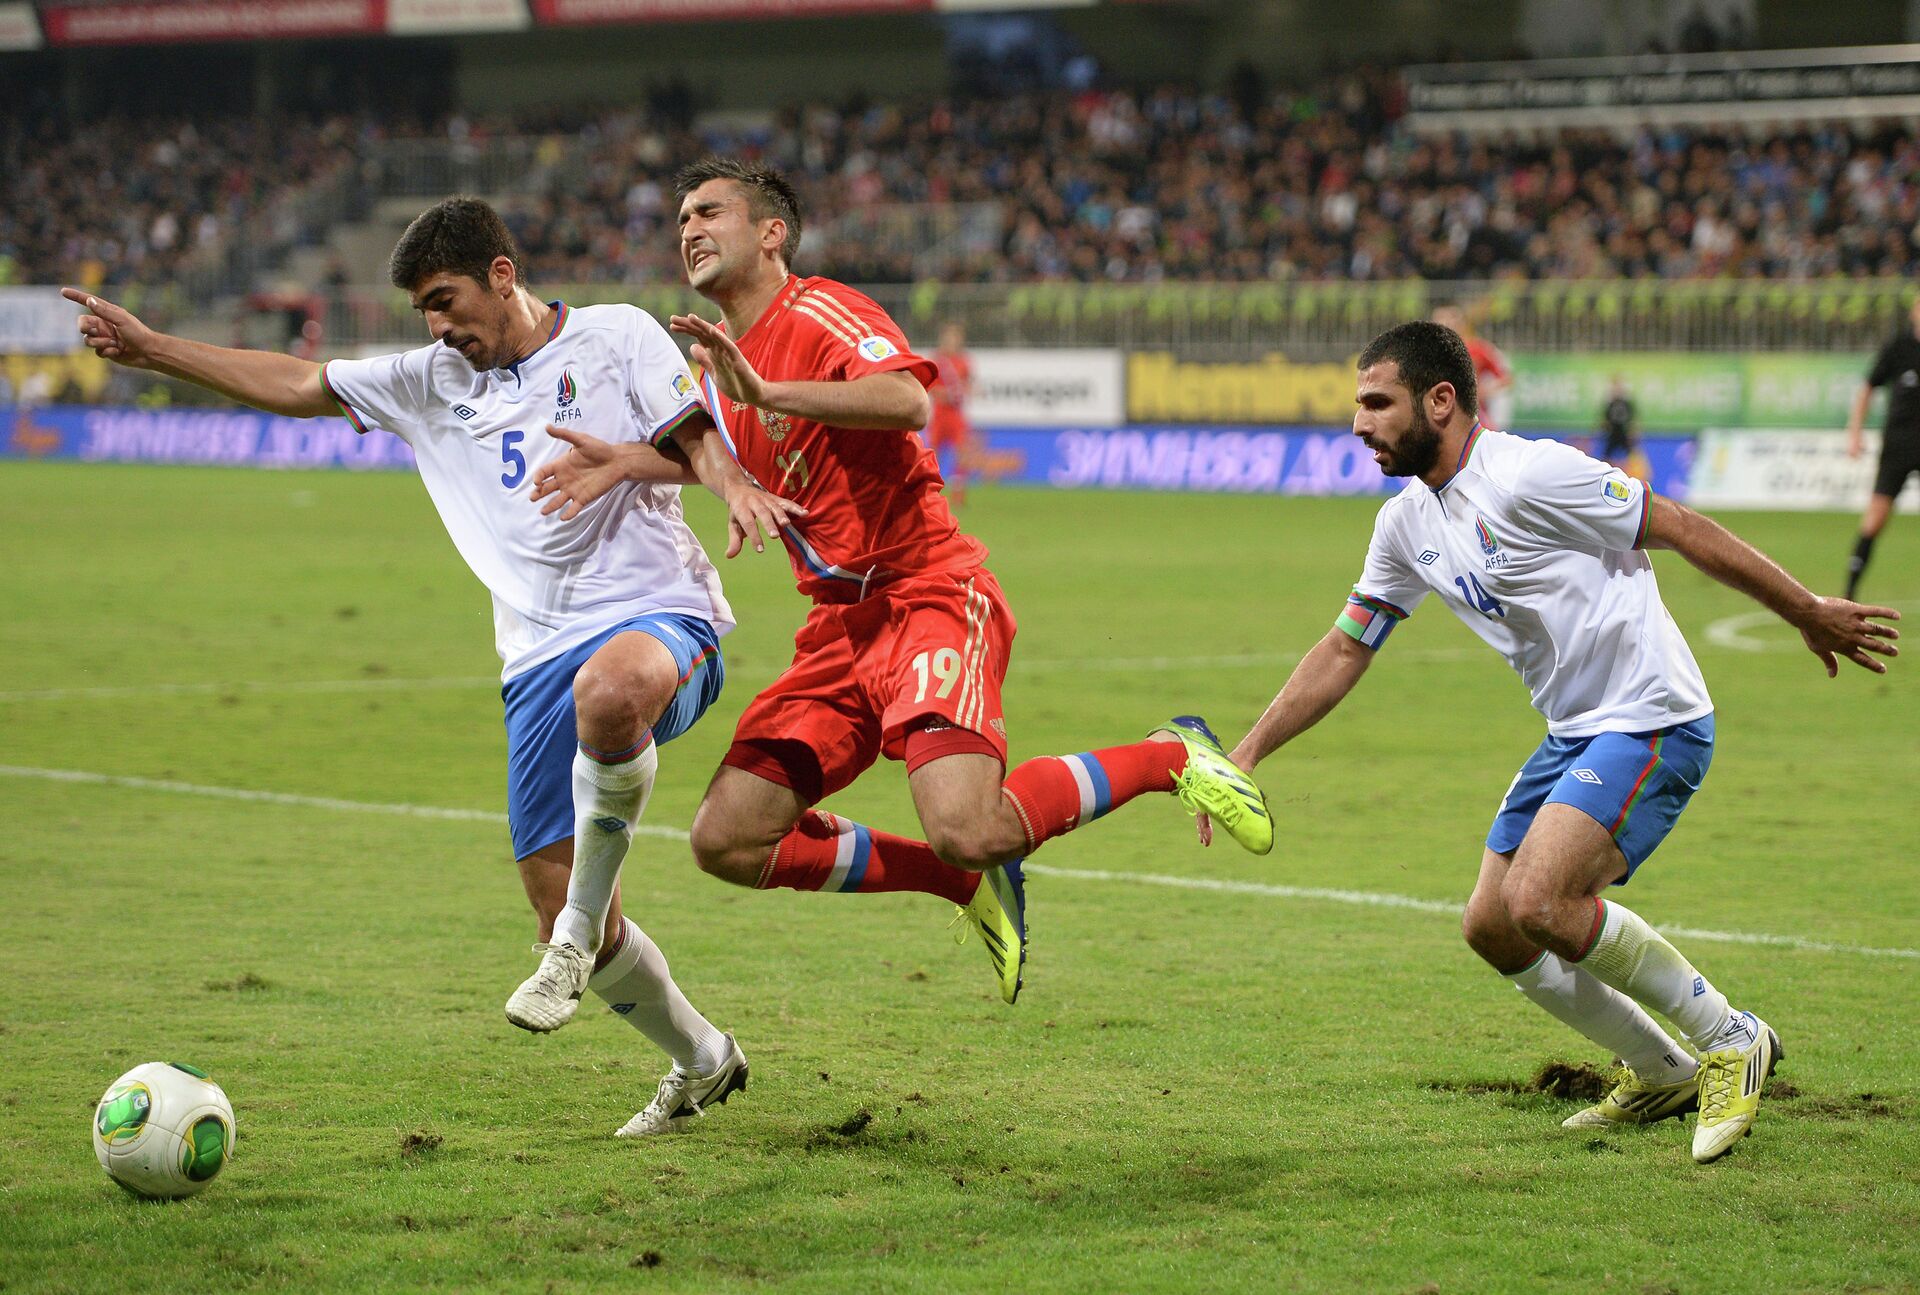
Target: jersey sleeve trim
{"points": [[1367, 620], [673, 424], [346, 410], [1646, 516]]}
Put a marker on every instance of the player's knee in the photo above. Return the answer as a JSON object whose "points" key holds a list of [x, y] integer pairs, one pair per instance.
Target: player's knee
{"points": [[1485, 928], [1531, 903], [721, 853], [605, 697], [971, 842]]}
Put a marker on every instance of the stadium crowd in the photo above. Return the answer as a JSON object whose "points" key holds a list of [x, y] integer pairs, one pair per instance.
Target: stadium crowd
{"points": [[1117, 185]]}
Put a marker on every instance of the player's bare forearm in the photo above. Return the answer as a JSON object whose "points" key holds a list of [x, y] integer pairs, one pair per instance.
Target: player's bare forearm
{"points": [[640, 462], [1724, 556], [1318, 684], [266, 380], [708, 461], [1857, 418], [882, 402]]}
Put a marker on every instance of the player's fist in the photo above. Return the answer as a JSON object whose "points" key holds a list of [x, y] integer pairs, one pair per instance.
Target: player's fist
{"points": [[112, 332]]}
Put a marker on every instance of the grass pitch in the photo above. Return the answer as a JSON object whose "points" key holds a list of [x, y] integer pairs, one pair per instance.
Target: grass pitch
{"points": [[1201, 1089]]}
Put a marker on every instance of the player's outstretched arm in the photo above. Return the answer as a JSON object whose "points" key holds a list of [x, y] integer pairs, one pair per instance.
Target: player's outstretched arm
{"points": [[1832, 627], [1323, 678], [754, 515], [881, 402], [278, 384], [592, 467]]}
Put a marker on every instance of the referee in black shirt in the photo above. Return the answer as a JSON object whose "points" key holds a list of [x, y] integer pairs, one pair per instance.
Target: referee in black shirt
{"points": [[1898, 370]]}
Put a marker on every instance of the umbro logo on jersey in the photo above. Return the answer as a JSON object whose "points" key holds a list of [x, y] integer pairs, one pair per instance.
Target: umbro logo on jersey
{"points": [[608, 823], [1587, 775], [465, 412], [1429, 557], [621, 1008]]}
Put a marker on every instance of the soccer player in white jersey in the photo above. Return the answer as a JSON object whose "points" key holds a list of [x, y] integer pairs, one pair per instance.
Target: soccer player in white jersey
{"points": [[1541, 551], [607, 618]]}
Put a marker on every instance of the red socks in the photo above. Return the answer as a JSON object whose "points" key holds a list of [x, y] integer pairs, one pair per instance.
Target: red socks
{"points": [[1055, 794], [826, 852]]}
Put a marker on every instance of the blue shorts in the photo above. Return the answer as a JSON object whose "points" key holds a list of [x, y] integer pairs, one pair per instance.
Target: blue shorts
{"points": [[541, 736], [1632, 784]]}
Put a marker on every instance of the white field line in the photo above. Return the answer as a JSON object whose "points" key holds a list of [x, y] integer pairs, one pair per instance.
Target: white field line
{"points": [[1362, 898], [250, 687], [1732, 632]]}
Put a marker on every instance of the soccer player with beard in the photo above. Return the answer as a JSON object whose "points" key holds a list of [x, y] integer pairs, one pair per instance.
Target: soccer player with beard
{"points": [[1541, 551], [908, 638]]}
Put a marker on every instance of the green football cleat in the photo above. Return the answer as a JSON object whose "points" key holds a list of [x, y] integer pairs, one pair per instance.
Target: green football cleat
{"points": [[1635, 1101], [1213, 785], [1731, 1080], [998, 911]]}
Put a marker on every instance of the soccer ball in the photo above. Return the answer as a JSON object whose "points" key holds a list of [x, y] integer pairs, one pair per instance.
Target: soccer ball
{"points": [[163, 1130]]}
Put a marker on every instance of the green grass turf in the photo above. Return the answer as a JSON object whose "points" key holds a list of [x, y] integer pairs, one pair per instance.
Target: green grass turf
{"points": [[1198, 1090]]}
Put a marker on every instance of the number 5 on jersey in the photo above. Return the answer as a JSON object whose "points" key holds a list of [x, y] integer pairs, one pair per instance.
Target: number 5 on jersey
{"points": [[515, 461], [943, 665]]}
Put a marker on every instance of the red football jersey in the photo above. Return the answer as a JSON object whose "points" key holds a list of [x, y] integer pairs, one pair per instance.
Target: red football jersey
{"points": [[873, 501], [1488, 362]]}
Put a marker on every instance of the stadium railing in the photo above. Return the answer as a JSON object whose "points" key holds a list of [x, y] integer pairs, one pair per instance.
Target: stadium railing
{"points": [[1308, 318]]}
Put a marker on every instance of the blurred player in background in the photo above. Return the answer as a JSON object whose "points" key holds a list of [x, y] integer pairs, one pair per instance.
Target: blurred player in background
{"points": [[1490, 367], [608, 621], [951, 435], [904, 650], [1897, 368], [1620, 432], [1539, 550]]}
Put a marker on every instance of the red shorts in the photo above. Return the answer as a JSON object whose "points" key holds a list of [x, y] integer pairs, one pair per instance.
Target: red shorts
{"points": [[918, 652]]}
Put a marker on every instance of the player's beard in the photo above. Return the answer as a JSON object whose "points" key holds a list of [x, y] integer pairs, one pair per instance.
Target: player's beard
{"points": [[1417, 451]]}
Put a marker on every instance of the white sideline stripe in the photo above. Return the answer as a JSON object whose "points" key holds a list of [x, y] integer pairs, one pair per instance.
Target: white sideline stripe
{"points": [[266, 686], [1378, 899], [1366, 898], [287, 798], [212, 689]]}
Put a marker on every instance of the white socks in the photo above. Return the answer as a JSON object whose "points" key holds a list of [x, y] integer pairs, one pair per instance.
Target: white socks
{"points": [[1637, 960], [607, 800], [1607, 1016], [637, 985]]}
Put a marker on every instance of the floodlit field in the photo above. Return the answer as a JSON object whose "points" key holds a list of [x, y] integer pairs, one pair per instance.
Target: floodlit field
{"points": [[1212, 1081]]}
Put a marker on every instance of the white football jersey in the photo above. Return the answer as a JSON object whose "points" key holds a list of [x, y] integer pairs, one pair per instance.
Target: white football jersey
{"points": [[478, 437], [1536, 547]]}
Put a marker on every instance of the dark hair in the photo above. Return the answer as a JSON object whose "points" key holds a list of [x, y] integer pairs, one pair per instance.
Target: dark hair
{"points": [[1428, 354], [769, 194], [461, 235]]}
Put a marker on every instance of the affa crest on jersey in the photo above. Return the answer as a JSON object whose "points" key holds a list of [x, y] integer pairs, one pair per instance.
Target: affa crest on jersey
{"points": [[877, 348], [563, 398], [1489, 543]]}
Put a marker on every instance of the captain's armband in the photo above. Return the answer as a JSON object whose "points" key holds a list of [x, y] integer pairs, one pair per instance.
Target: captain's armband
{"points": [[1368, 620]]}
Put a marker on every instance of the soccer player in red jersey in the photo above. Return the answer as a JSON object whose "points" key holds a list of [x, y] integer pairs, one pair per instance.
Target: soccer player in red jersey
{"points": [[1490, 368], [817, 396], [949, 431]]}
